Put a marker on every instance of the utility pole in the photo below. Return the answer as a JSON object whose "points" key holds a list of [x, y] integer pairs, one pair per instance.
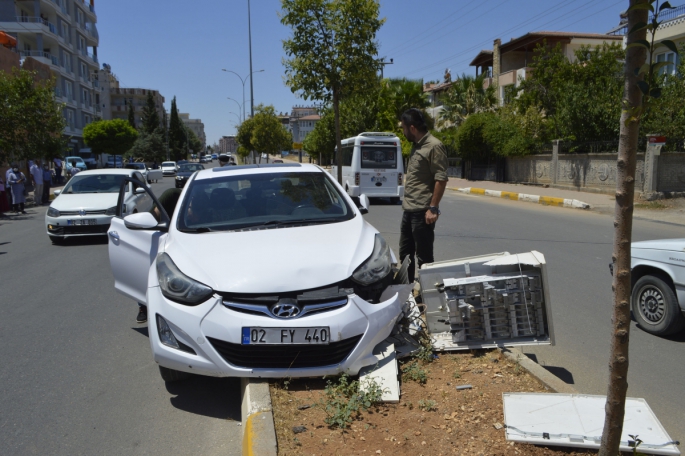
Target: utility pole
{"points": [[249, 36], [382, 63]]}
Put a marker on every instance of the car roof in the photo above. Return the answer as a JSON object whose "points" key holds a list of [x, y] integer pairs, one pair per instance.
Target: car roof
{"points": [[267, 168], [124, 171]]}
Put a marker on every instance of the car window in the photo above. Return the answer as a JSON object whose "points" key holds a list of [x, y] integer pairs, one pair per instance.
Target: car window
{"points": [[99, 183], [276, 199], [191, 168], [168, 164], [379, 157]]}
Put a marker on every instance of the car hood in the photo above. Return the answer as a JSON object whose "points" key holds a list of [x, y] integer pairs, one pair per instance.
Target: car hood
{"points": [[677, 245], [273, 260], [87, 201]]}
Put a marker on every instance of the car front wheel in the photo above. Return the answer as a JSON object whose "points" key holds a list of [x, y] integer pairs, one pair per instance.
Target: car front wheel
{"points": [[171, 375], [655, 306]]}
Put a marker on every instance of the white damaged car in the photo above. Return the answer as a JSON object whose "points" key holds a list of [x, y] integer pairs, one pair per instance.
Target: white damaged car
{"points": [[261, 271]]}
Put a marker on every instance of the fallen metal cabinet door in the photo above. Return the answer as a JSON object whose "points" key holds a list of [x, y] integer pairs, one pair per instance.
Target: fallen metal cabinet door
{"points": [[487, 301]]}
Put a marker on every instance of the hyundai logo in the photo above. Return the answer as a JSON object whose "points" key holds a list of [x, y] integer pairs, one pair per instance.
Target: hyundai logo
{"points": [[81, 212], [286, 308]]}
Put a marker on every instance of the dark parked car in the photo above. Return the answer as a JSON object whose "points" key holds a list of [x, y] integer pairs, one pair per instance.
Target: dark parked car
{"points": [[185, 171]]}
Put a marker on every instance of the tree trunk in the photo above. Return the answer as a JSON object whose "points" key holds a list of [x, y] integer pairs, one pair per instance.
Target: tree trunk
{"points": [[623, 223], [338, 145]]}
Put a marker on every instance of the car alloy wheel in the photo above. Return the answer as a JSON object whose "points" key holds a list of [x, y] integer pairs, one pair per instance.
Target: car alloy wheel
{"points": [[652, 305]]}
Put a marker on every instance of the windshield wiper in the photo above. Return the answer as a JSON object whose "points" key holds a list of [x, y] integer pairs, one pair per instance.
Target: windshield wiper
{"points": [[202, 229], [296, 222]]}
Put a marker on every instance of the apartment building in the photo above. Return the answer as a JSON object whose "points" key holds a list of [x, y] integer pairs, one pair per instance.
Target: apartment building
{"points": [[228, 145], [672, 28], [61, 34], [303, 119], [195, 125], [507, 64]]}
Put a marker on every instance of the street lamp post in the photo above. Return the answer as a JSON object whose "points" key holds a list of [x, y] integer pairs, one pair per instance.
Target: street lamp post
{"points": [[243, 81], [240, 107]]}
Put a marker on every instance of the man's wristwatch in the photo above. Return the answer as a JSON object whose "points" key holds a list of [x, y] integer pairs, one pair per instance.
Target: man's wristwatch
{"points": [[434, 209]]}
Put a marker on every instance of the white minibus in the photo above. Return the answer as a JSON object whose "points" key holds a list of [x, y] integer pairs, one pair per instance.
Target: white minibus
{"points": [[372, 165]]}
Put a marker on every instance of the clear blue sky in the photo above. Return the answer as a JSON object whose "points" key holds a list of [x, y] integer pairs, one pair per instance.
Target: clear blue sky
{"points": [[179, 47]]}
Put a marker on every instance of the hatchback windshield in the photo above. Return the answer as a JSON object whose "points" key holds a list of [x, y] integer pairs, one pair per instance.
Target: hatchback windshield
{"points": [[261, 200], [98, 183], [191, 168], [168, 164]]}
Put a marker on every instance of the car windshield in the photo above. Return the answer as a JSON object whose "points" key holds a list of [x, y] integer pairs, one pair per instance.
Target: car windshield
{"points": [[135, 166], [168, 164], [76, 159], [191, 168], [94, 183], [271, 200]]}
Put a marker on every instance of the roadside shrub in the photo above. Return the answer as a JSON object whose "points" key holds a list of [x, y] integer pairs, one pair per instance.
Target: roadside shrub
{"points": [[344, 401], [470, 139]]}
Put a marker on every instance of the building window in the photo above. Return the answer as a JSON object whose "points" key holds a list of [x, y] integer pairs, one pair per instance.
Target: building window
{"points": [[673, 60], [69, 90], [83, 71], [70, 118]]}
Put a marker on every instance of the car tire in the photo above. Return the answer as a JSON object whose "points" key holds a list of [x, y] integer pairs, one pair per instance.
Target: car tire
{"points": [[655, 306], [171, 375], [395, 201], [57, 240]]}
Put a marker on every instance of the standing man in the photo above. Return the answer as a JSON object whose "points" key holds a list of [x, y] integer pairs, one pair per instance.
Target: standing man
{"points": [[47, 181], [58, 170], [37, 177], [74, 169], [426, 179]]}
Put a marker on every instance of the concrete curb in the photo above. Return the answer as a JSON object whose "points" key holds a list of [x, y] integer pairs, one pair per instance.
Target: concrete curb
{"points": [[545, 377], [546, 200], [259, 432]]}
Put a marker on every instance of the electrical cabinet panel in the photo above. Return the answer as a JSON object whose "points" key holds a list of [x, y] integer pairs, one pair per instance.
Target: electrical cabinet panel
{"points": [[488, 301]]}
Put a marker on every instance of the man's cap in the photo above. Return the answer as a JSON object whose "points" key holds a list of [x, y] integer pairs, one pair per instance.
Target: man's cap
{"points": [[223, 158]]}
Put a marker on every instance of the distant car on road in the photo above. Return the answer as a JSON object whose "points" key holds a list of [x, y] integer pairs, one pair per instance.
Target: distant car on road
{"points": [[86, 205], [181, 162], [215, 156], [169, 168], [80, 164], [149, 174], [185, 171], [277, 161]]}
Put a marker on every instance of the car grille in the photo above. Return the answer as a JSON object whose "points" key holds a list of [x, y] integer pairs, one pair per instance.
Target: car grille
{"points": [[80, 229], [284, 356], [100, 212]]}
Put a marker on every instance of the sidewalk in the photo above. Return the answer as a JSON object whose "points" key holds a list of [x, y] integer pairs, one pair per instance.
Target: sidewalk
{"points": [[669, 211]]}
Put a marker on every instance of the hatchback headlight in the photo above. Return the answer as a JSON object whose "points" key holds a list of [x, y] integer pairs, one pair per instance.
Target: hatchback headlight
{"points": [[377, 266], [111, 211], [177, 286], [179, 178], [52, 212]]}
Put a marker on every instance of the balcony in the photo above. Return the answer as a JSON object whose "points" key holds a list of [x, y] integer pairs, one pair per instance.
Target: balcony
{"points": [[32, 24], [665, 16], [41, 56]]}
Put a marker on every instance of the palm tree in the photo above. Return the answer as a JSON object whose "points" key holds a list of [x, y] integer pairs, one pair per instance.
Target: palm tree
{"points": [[466, 96], [407, 93]]}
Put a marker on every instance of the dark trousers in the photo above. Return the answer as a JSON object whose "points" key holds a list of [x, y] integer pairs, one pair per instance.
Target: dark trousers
{"points": [[416, 238], [58, 175], [46, 192]]}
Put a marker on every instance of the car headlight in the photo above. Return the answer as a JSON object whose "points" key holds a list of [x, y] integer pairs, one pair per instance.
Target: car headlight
{"points": [[177, 286], [377, 266], [179, 178], [52, 212], [111, 211]]}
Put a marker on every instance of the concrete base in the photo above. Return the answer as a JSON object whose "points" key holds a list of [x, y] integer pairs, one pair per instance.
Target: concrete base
{"points": [[259, 432]]}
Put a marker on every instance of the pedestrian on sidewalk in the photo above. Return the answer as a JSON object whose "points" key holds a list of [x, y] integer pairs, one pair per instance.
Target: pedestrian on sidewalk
{"points": [[58, 170], [4, 205], [37, 177], [426, 179], [17, 182], [47, 182], [9, 188]]}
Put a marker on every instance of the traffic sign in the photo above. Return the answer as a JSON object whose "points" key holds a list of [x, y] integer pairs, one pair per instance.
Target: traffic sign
{"points": [[297, 146]]}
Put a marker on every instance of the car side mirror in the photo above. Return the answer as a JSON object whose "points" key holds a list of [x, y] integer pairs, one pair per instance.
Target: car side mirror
{"points": [[57, 192], [140, 221], [362, 203], [139, 190]]}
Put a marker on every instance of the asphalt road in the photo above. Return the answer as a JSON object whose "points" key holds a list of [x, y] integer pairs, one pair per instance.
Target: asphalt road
{"points": [[76, 372], [577, 246], [77, 377]]}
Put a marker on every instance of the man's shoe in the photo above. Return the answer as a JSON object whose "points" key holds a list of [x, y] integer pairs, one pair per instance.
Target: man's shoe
{"points": [[142, 316]]}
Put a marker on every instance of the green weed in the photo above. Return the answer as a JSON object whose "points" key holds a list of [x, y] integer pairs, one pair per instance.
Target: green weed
{"points": [[414, 372], [343, 401], [428, 406]]}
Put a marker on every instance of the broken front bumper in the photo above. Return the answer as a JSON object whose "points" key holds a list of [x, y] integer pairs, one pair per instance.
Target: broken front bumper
{"points": [[211, 338]]}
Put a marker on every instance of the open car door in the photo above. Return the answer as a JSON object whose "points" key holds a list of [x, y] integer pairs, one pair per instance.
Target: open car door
{"points": [[134, 237]]}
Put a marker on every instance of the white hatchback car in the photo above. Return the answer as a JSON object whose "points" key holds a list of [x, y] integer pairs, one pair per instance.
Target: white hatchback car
{"points": [[169, 168], [87, 203], [261, 271]]}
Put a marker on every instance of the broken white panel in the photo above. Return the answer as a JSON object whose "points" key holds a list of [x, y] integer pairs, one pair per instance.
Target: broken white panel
{"points": [[577, 420], [384, 373], [488, 301]]}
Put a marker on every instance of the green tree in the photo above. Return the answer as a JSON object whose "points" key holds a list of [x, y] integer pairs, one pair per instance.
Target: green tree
{"points": [[667, 114], [268, 134], [31, 122], [177, 135], [114, 137], [131, 115], [194, 142], [466, 96], [150, 146], [406, 93], [244, 137], [332, 51], [150, 117]]}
